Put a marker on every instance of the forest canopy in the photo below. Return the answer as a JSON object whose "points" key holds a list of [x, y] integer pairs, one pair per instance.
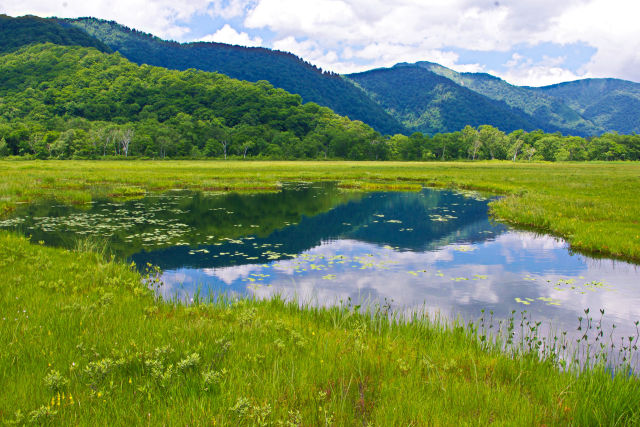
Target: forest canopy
{"points": [[77, 102]]}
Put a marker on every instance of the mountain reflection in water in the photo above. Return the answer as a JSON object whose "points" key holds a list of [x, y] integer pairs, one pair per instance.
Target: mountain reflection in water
{"points": [[433, 249]]}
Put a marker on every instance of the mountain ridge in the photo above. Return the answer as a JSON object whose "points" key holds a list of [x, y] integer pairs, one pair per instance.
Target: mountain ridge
{"points": [[282, 69], [584, 107], [430, 103]]}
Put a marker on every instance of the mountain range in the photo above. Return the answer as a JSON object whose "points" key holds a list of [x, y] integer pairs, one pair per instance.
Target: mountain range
{"points": [[406, 98]]}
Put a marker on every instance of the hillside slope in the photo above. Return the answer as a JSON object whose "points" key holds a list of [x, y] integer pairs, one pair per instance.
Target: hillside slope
{"points": [[427, 102], [543, 108], [63, 101], [282, 69], [17, 32], [423, 96], [611, 104]]}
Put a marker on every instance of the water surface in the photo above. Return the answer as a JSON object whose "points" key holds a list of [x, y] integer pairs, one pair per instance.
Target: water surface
{"points": [[432, 249]]}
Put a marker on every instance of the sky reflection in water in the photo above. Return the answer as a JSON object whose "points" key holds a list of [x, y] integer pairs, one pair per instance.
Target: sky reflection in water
{"points": [[431, 249], [434, 249]]}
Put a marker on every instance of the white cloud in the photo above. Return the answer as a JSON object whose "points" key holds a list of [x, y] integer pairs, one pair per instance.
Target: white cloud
{"points": [[229, 9], [383, 32], [311, 18], [354, 35], [232, 273], [609, 25], [159, 17], [523, 71], [311, 51], [537, 75], [229, 35]]}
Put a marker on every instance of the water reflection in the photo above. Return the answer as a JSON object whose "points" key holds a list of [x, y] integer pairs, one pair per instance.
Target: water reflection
{"points": [[432, 249]]}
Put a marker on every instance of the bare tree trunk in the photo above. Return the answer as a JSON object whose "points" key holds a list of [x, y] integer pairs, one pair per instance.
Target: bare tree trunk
{"points": [[515, 153], [108, 141], [127, 136], [34, 141], [115, 142]]}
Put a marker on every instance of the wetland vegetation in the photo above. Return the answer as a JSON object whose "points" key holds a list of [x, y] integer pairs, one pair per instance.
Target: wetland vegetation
{"points": [[592, 205], [235, 291], [84, 340], [88, 339]]}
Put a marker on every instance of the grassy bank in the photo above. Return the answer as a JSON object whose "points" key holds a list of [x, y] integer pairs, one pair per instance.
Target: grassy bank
{"points": [[84, 343], [593, 205]]}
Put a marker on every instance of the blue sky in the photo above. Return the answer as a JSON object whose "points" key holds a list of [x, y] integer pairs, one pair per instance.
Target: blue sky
{"points": [[526, 42]]}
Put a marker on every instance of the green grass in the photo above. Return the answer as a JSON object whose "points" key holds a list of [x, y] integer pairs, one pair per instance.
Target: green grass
{"points": [[84, 343], [593, 205]]}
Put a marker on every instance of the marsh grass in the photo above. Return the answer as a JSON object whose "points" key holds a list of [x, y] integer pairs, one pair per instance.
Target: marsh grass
{"points": [[85, 340], [592, 205]]}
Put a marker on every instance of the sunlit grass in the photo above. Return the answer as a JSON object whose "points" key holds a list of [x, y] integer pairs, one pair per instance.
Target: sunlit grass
{"points": [[84, 343]]}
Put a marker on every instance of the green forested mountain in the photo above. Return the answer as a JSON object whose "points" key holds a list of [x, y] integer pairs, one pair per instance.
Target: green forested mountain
{"points": [[58, 101], [582, 107], [83, 102], [77, 102], [17, 32], [544, 109], [611, 104], [427, 102], [436, 100], [282, 69]]}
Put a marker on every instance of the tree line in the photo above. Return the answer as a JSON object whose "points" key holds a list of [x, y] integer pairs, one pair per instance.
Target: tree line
{"points": [[185, 137]]}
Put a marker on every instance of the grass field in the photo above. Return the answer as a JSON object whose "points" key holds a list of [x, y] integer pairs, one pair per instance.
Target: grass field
{"points": [[594, 206], [85, 342]]}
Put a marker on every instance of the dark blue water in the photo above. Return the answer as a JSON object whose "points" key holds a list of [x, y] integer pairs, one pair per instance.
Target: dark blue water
{"points": [[434, 250]]}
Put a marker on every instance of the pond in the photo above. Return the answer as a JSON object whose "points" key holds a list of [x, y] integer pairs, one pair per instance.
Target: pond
{"points": [[434, 249]]}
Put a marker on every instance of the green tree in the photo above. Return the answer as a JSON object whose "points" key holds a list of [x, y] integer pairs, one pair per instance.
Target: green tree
{"points": [[4, 148], [471, 140], [493, 142]]}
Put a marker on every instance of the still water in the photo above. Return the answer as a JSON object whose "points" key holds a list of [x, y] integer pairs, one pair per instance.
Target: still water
{"points": [[434, 250]]}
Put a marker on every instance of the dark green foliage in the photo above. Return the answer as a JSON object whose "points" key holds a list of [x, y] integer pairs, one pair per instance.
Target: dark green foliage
{"points": [[73, 102], [281, 69], [17, 32], [611, 104], [546, 112], [427, 102], [580, 94], [616, 111], [584, 107], [69, 101]]}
